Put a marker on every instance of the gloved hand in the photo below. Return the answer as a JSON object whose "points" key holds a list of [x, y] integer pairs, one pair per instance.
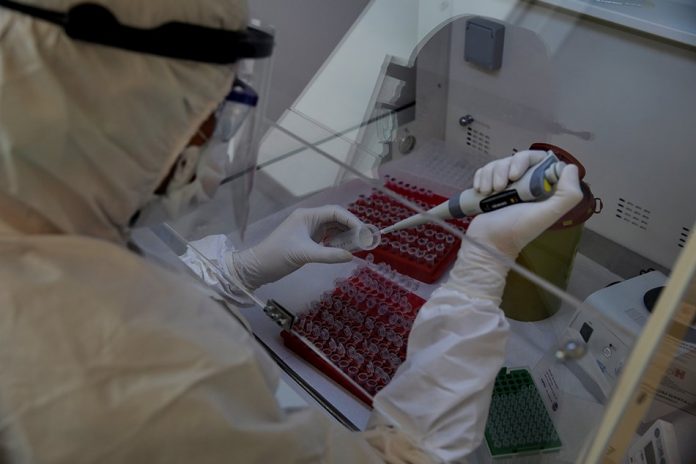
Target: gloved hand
{"points": [[509, 229], [293, 244]]}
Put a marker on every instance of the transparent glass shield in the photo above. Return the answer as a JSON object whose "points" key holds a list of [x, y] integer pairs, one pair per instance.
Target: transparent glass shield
{"points": [[652, 413], [410, 104]]}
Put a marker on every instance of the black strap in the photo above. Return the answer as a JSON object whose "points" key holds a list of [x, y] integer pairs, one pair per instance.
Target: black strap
{"points": [[96, 24]]}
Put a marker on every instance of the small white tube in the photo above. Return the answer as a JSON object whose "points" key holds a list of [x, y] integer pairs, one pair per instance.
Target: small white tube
{"points": [[363, 238]]}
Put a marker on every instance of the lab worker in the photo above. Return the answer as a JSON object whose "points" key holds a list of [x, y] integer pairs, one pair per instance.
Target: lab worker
{"points": [[108, 357]]}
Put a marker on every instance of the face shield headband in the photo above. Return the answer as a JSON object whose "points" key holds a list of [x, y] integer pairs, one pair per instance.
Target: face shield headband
{"points": [[93, 23]]}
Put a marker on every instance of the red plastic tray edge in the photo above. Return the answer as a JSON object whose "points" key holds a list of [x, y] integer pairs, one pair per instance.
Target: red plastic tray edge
{"points": [[300, 347]]}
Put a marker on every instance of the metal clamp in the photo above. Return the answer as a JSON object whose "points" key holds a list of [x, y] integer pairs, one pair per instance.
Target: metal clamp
{"points": [[278, 314]]}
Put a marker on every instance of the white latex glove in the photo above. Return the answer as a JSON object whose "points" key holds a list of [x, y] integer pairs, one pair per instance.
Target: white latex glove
{"points": [[293, 244], [509, 229]]}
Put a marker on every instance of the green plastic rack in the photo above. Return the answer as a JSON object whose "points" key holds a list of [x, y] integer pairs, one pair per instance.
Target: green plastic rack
{"points": [[518, 422]]}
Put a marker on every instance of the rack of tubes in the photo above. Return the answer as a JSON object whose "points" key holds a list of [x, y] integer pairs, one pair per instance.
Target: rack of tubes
{"points": [[424, 252], [360, 329]]}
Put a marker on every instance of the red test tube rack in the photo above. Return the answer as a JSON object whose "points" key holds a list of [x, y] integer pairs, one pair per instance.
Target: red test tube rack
{"points": [[360, 328], [424, 252]]}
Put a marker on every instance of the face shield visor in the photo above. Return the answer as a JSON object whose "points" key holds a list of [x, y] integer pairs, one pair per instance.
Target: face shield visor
{"points": [[240, 122], [223, 151]]}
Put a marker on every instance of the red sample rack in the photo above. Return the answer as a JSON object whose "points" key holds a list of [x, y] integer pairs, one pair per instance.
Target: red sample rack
{"points": [[424, 252], [358, 331]]}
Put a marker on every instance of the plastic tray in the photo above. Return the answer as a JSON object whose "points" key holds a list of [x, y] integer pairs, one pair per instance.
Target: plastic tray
{"points": [[518, 421]]}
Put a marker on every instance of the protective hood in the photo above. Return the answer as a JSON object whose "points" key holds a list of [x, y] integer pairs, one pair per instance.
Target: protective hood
{"points": [[88, 132]]}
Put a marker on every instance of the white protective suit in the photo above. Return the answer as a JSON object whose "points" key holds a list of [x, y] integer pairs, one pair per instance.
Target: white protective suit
{"points": [[105, 357]]}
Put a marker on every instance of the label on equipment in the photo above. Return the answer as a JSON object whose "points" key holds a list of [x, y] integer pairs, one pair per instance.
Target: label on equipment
{"points": [[499, 200]]}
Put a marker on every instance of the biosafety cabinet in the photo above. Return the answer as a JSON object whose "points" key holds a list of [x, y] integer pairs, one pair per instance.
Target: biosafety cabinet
{"points": [[408, 104]]}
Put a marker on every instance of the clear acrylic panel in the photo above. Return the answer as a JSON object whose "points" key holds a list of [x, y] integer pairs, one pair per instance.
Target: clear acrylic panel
{"points": [[652, 413], [413, 100]]}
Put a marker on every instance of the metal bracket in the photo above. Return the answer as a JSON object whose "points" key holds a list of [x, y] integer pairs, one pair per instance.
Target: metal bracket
{"points": [[281, 316], [407, 97]]}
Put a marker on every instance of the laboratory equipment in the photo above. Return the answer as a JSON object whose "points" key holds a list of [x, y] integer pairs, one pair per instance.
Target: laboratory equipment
{"points": [[357, 332], [363, 238], [535, 184], [610, 324], [517, 420], [424, 252], [657, 445]]}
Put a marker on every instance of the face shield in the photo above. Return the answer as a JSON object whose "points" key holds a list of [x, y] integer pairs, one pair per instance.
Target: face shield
{"points": [[241, 123], [224, 149]]}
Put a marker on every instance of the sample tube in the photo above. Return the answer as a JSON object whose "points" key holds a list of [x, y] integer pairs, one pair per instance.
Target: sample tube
{"points": [[366, 237], [369, 323], [324, 334]]}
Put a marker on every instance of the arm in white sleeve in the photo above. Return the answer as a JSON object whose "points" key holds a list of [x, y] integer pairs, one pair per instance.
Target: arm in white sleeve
{"points": [[441, 394], [294, 243]]}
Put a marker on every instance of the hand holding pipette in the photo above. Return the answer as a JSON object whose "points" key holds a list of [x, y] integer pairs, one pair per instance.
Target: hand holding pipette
{"points": [[535, 184]]}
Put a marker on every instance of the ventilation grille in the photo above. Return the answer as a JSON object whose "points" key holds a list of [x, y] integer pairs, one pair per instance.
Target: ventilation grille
{"points": [[478, 140], [633, 214], [683, 236]]}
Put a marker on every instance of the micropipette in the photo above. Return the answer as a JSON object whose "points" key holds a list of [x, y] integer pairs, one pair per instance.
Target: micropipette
{"points": [[537, 183]]}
